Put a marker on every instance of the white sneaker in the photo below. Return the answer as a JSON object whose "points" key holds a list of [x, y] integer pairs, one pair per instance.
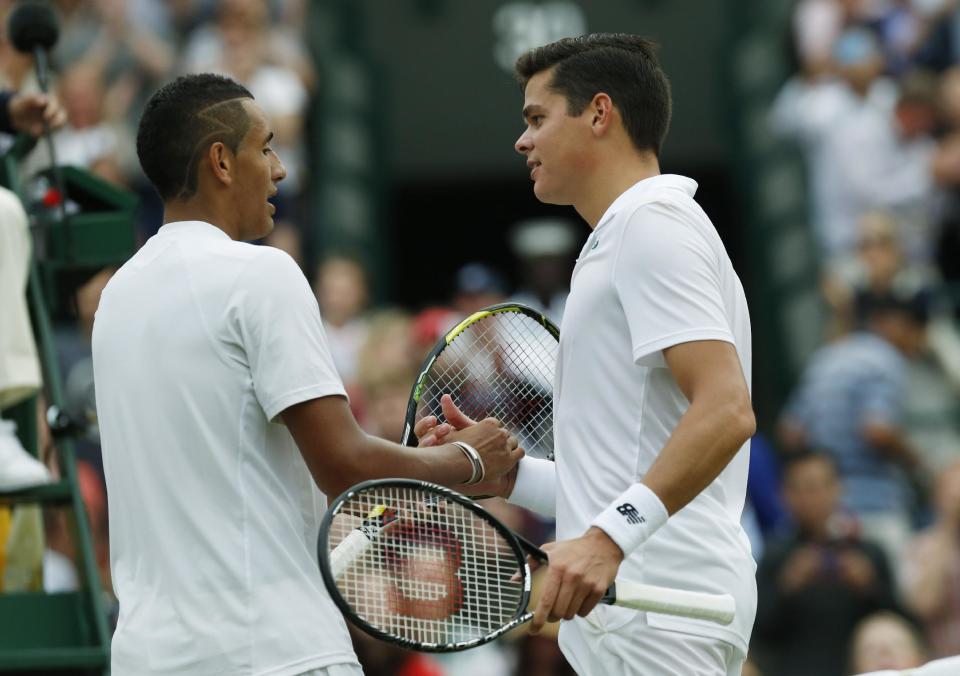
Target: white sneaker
{"points": [[18, 469]]}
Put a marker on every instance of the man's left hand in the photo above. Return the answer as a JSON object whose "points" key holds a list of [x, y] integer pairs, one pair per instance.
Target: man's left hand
{"points": [[579, 573], [29, 111]]}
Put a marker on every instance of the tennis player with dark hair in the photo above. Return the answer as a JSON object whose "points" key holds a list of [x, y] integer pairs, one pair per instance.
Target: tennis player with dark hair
{"points": [[652, 400], [221, 414]]}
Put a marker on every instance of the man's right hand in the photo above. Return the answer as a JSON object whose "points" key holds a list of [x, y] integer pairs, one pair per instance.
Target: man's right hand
{"points": [[498, 449]]}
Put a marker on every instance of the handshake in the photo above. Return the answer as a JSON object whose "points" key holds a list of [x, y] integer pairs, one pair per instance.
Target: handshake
{"points": [[492, 450]]}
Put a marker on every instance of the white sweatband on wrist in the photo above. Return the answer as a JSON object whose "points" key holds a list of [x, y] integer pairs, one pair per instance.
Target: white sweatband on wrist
{"points": [[536, 486], [476, 462], [632, 518]]}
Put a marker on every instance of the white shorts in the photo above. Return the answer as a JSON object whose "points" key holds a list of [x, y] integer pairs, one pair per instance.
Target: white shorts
{"points": [[637, 649], [336, 670]]}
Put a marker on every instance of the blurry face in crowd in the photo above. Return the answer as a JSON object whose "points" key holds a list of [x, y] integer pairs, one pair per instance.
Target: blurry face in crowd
{"points": [[81, 91], [258, 170], [554, 142], [862, 74], [812, 492], [879, 250], [341, 289], [884, 642], [387, 408]]}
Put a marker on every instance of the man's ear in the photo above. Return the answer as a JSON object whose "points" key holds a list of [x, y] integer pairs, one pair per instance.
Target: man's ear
{"points": [[601, 108], [221, 162]]}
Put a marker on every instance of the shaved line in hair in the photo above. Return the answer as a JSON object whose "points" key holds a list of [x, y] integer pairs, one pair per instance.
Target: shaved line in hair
{"points": [[225, 121]]}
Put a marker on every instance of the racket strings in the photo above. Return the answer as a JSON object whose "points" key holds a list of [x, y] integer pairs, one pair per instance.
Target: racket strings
{"points": [[501, 366], [439, 574]]}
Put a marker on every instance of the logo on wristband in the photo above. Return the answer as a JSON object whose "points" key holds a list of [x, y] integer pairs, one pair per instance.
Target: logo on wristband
{"points": [[631, 513]]}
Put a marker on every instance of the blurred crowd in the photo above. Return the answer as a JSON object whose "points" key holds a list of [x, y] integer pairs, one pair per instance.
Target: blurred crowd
{"points": [[859, 546], [854, 503]]}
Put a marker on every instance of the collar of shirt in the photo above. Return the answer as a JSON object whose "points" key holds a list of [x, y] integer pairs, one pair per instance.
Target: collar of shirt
{"points": [[658, 182]]}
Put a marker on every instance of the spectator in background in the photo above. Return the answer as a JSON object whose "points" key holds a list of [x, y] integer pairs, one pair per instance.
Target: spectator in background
{"points": [[342, 289], [389, 345], [849, 404], [386, 368], [88, 140], [128, 44], [931, 580], [883, 160], [811, 111], [880, 267], [816, 583], [816, 26], [385, 396], [243, 45], [287, 238], [476, 286], [885, 640], [545, 249]]}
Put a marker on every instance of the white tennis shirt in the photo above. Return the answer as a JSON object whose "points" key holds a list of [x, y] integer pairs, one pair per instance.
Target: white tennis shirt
{"points": [[198, 344], [654, 273]]}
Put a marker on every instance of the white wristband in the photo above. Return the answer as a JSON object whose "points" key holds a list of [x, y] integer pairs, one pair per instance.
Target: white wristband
{"points": [[536, 486], [632, 518]]}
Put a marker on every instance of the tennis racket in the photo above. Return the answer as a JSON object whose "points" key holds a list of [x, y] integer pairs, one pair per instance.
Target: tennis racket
{"points": [[422, 566], [498, 362]]}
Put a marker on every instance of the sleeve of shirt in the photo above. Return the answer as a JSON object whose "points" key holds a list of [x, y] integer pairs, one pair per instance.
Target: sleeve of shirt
{"points": [[283, 336], [667, 281]]}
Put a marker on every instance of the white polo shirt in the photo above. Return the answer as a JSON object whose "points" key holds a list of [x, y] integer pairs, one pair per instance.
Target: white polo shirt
{"points": [[199, 343], [653, 274]]}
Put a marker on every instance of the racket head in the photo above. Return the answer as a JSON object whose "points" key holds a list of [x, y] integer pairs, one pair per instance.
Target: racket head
{"points": [[499, 362], [443, 576]]}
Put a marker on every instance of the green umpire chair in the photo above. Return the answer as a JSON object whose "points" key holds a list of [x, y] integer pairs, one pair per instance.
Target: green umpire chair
{"points": [[93, 228]]}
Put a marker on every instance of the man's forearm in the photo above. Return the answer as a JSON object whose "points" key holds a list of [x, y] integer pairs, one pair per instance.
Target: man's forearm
{"points": [[707, 437], [374, 458]]}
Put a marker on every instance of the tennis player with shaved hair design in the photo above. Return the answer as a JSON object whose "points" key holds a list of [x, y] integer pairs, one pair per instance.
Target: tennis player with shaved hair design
{"points": [[223, 420], [652, 392]]}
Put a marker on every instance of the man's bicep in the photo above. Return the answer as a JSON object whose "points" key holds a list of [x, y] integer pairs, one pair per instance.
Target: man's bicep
{"points": [[706, 366], [326, 433]]}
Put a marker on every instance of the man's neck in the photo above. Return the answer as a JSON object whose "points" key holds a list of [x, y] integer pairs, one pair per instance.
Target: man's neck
{"points": [[610, 181], [197, 210]]}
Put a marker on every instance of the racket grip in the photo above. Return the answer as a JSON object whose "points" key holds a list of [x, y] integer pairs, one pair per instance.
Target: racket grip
{"points": [[349, 550], [719, 608]]}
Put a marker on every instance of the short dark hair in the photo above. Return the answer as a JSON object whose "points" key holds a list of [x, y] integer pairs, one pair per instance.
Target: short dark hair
{"points": [[625, 67], [790, 461], [180, 122]]}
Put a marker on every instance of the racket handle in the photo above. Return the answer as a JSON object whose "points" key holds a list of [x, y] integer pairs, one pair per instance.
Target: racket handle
{"points": [[719, 608], [349, 550]]}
